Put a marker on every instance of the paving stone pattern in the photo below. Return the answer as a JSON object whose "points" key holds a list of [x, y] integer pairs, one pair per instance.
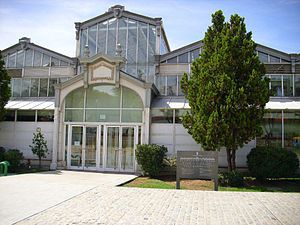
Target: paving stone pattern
{"points": [[122, 205]]}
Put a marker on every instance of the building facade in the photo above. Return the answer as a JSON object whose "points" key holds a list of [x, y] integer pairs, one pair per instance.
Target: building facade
{"points": [[122, 89]]}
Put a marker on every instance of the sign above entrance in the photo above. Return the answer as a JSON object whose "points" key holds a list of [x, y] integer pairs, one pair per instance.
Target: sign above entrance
{"points": [[101, 71]]}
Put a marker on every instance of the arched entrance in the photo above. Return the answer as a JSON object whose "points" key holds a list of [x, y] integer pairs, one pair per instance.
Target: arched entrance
{"points": [[103, 125]]}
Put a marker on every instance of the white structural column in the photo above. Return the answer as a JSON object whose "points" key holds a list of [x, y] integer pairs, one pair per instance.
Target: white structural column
{"points": [[53, 164], [147, 125]]}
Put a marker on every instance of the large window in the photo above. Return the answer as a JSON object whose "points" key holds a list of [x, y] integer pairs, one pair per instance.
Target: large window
{"points": [[282, 85], [169, 85], [104, 103], [167, 115]]}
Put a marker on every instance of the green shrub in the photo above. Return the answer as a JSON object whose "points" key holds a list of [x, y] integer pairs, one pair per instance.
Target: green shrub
{"points": [[151, 157], [268, 162], [231, 179], [14, 157], [2, 154]]}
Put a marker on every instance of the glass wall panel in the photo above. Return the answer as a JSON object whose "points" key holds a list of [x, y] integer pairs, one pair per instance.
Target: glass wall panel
{"points": [[12, 60], [45, 115], [52, 82], [26, 87], [20, 59], [17, 87], [112, 156], [9, 115], [131, 99], [292, 130], [37, 59], [83, 41], [111, 41], [74, 115], [163, 46], [142, 42], [90, 148], [132, 116], [75, 99], [122, 38], [76, 147], [171, 85], [162, 115], [43, 87], [34, 87], [195, 54], [162, 85], [152, 44], [274, 59], [46, 60], [263, 57], [183, 58], [92, 39], [5, 61], [102, 115], [287, 85], [132, 46], [26, 115], [28, 57], [272, 130], [276, 85], [172, 60], [63, 63], [102, 30], [101, 145], [180, 93], [54, 61], [127, 148], [297, 85], [104, 96]]}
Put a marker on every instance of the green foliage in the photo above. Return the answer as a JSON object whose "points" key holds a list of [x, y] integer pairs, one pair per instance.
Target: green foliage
{"points": [[231, 179], [4, 87], [14, 157], [2, 154], [151, 157], [227, 90], [39, 147], [268, 162]]}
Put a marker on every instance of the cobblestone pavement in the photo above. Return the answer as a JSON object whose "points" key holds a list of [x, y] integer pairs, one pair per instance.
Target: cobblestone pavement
{"points": [[122, 205]]}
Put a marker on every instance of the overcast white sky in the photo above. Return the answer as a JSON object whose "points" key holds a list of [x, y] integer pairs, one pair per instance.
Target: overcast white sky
{"points": [[50, 23]]}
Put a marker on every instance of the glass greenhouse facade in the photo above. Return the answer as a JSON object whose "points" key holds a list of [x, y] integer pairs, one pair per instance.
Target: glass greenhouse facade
{"points": [[121, 89]]}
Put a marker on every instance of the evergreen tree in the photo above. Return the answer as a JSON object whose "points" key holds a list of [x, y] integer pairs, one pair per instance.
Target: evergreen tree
{"points": [[227, 90], [4, 87], [39, 147]]}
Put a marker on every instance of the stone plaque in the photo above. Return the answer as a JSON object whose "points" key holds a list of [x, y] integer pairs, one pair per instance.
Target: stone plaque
{"points": [[197, 165], [102, 72]]}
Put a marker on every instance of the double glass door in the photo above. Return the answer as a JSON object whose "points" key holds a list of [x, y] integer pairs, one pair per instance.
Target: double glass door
{"points": [[103, 148]]}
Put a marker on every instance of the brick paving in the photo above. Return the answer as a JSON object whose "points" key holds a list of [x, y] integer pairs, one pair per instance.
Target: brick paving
{"points": [[123, 205]]}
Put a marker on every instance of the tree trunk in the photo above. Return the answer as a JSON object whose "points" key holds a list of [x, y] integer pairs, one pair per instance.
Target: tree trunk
{"points": [[229, 162]]}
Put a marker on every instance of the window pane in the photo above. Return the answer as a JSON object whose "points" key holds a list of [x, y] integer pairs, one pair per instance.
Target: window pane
{"points": [[152, 43], [92, 39], [180, 93], [292, 130], [276, 85], [26, 115], [45, 115], [297, 85], [274, 59], [287, 85], [75, 99], [34, 87], [132, 116], [132, 42], [102, 115], [131, 99], [28, 57], [142, 43], [162, 85], [123, 34], [263, 57], [104, 96], [37, 58], [46, 60], [52, 82], [20, 59], [43, 87], [54, 61], [171, 85], [102, 30], [111, 43], [172, 60], [63, 63], [9, 115], [74, 115], [162, 115], [183, 58], [12, 60], [195, 54], [17, 87], [25, 87], [83, 40]]}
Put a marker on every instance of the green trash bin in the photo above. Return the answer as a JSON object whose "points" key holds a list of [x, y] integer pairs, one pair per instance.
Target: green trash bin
{"points": [[4, 168]]}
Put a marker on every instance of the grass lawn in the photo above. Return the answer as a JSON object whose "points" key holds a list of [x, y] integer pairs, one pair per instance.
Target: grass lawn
{"points": [[251, 185]]}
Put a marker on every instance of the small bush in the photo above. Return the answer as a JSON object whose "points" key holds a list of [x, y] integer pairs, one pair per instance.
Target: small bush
{"points": [[151, 157], [268, 162], [14, 157], [2, 154], [231, 179]]}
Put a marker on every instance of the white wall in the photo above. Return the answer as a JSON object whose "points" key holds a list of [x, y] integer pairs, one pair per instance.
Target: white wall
{"points": [[176, 138], [18, 135]]}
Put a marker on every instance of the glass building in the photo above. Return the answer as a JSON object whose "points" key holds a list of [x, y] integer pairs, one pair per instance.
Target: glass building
{"points": [[122, 89]]}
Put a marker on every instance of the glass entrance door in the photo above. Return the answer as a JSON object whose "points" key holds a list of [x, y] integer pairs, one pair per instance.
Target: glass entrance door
{"points": [[76, 147], [90, 148], [120, 144]]}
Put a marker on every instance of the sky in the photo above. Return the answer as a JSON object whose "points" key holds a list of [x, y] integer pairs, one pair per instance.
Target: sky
{"points": [[50, 23]]}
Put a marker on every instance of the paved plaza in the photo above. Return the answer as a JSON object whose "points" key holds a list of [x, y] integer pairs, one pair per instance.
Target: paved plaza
{"points": [[68, 197]]}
